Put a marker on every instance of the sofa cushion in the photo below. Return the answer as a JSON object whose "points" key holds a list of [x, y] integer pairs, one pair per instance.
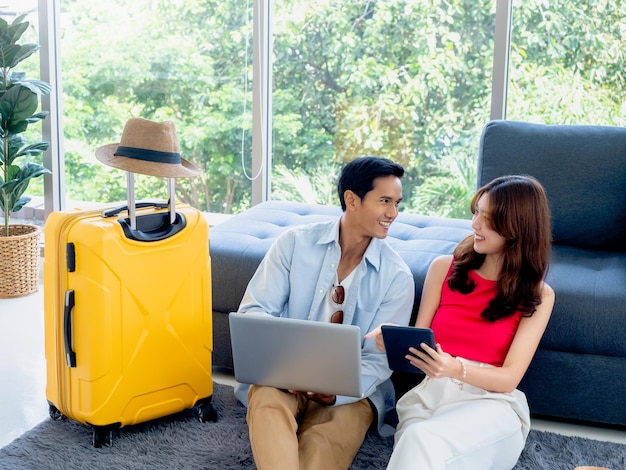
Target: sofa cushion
{"points": [[583, 169], [576, 387], [589, 315], [239, 244]]}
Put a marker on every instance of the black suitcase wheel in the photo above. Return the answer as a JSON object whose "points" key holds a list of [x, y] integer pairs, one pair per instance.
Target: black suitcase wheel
{"points": [[102, 436], [55, 414], [207, 412]]}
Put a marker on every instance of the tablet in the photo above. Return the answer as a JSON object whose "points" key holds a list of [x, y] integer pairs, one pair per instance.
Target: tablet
{"points": [[398, 340]]}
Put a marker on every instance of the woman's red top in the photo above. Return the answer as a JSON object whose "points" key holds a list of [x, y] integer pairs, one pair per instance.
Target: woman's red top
{"points": [[460, 329]]}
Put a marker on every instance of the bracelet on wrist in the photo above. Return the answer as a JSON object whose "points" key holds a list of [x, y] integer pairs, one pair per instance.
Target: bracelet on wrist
{"points": [[460, 382]]}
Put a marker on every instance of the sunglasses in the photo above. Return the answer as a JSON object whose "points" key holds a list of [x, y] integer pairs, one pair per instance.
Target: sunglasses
{"points": [[337, 296]]}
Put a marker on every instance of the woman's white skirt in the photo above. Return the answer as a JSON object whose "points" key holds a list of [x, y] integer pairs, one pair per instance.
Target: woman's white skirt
{"points": [[445, 426]]}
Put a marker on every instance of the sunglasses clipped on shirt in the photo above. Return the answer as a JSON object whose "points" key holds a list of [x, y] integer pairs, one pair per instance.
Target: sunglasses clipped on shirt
{"points": [[337, 296]]}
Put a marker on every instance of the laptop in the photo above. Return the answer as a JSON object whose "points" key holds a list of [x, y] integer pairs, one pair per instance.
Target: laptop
{"points": [[303, 355]]}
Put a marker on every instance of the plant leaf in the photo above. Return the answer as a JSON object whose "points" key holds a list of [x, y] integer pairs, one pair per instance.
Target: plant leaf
{"points": [[17, 28], [16, 142], [18, 148], [13, 54], [37, 117], [17, 184], [17, 104], [36, 86], [17, 127], [13, 170], [33, 149], [31, 170], [21, 202]]}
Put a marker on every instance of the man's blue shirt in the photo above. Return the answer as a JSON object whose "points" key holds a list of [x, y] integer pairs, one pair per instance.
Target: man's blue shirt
{"points": [[296, 274]]}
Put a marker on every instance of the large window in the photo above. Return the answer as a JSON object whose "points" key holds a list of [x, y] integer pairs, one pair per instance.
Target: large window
{"points": [[568, 62], [185, 61], [271, 97], [10, 10], [410, 80]]}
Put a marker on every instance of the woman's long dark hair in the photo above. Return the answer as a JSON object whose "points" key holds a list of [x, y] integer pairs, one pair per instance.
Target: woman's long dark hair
{"points": [[519, 213]]}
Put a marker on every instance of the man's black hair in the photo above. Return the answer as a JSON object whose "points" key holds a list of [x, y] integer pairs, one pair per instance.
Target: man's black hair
{"points": [[358, 175]]}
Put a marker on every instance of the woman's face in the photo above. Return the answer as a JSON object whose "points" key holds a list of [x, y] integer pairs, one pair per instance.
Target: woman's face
{"points": [[486, 240]]}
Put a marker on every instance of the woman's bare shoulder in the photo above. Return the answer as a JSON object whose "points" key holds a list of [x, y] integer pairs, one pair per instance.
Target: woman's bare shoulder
{"points": [[546, 290], [439, 266], [441, 262]]}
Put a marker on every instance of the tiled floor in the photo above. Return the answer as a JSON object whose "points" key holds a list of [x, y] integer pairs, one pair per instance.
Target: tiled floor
{"points": [[22, 375]]}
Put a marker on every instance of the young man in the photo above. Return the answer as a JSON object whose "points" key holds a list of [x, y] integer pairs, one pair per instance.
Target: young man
{"points": [[341, 271]]}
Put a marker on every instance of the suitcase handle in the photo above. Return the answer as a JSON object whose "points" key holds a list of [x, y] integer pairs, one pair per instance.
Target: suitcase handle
{"points": [[70, 355], [153, 227], [124, 207], [148, 227], [130, 199]]}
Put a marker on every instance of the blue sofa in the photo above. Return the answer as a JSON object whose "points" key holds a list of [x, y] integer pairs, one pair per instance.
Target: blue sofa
{"points": [[579, 371]]}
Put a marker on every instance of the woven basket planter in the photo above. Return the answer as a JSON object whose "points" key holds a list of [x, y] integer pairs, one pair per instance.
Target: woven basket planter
{"points": [[19, 260]]}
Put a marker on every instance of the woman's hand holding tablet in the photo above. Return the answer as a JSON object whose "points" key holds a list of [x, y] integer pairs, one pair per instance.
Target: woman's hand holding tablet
{"points": [[398, 340]]}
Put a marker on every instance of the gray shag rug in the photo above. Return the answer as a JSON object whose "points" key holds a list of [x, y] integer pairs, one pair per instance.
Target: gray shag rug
{"points": [[181, 441]]}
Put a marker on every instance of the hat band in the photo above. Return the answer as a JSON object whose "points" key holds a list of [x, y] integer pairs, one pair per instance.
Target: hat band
{"points": [[148, 155]]}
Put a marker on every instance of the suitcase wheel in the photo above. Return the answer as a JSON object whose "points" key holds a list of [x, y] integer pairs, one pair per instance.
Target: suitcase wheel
{"points": [[207, 412], [102, 436], [54, 412]]}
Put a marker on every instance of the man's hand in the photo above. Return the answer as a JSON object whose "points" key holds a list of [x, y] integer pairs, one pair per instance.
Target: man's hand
{"points": [[377, 334], [325, 400]]}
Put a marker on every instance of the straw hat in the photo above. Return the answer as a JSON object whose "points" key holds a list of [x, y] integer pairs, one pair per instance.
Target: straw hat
{"points": [[149, 148]]}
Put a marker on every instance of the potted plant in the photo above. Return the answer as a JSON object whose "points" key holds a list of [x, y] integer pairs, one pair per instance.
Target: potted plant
{"points": [[19, 102]]}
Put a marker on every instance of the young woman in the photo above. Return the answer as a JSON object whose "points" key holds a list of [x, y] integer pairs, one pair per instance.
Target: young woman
{"points": [[488, 306]]}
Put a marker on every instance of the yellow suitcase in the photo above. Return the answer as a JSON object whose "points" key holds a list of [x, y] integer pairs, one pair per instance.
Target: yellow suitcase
{"points": [[127, 306]]}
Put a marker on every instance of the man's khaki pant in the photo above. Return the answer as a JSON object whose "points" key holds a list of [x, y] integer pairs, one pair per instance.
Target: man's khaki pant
{"points": [[291, 432]]}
